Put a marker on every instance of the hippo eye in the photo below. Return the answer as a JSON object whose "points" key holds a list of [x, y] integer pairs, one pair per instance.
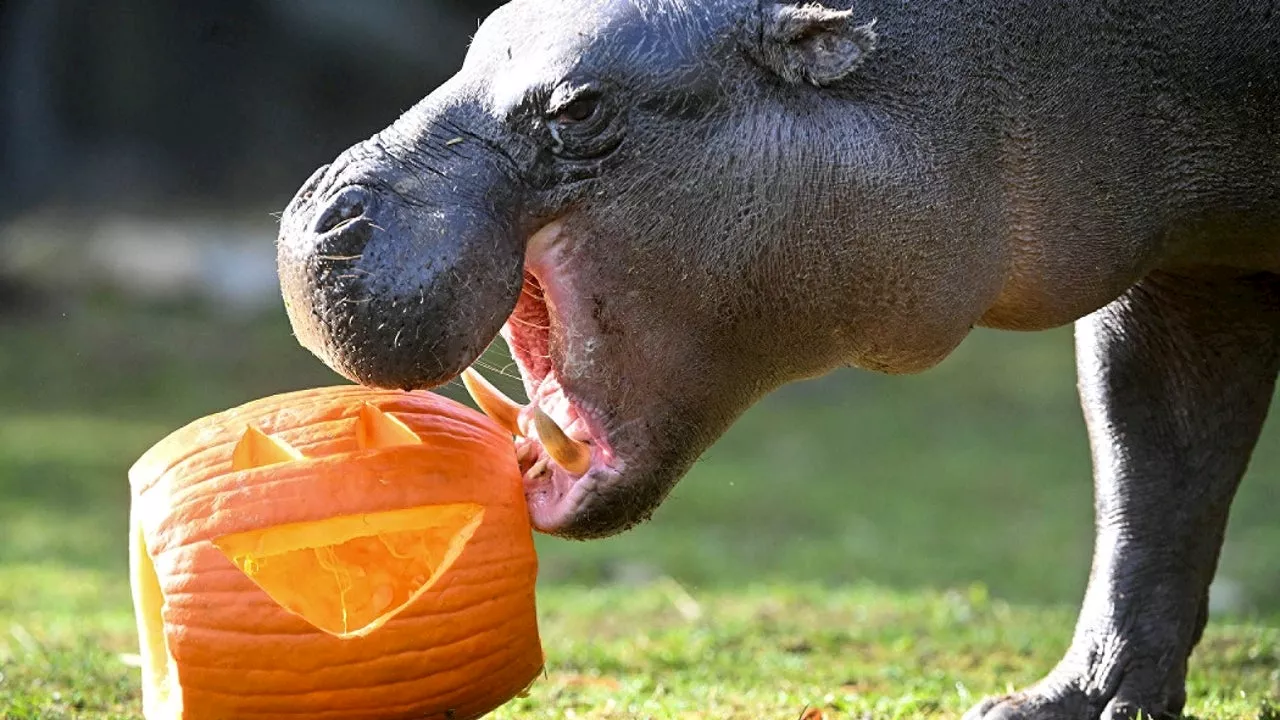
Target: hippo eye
{"points": [[583, 122], [581, 109]]}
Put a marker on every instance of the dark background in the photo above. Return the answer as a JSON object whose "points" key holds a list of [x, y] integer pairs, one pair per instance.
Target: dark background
{"points": [[153, 103]]}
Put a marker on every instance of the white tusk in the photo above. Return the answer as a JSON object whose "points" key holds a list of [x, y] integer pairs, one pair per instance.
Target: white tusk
{"points": [[570, 454], [492, 402]]}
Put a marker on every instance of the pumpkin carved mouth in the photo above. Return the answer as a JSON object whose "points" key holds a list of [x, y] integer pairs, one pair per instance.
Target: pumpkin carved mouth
{"points": [[349, 575]]}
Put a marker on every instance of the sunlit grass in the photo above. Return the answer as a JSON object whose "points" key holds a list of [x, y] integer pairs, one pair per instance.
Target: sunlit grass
{"points": [[810, 559], [659, 651]]}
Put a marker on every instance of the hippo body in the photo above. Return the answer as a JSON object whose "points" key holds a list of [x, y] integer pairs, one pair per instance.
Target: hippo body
{"points": [[669, 208]]}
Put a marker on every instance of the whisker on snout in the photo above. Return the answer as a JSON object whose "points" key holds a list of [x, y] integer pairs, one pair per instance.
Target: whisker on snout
{"points": [[505, 372]]}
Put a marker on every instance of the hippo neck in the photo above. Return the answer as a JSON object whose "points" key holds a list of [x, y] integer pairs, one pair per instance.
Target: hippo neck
{"points": [[1040, 160], [1070, 130]]}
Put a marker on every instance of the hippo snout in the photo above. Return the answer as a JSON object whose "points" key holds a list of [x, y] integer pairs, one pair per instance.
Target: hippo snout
{"points": [[395, 280]]}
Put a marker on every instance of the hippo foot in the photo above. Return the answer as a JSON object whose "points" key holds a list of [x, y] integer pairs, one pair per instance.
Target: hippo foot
{"points": [[1067, 698]]}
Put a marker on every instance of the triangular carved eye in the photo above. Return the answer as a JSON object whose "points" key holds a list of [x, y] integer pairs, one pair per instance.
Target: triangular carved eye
{"points": [[257, 449], [349, 575], [376, 429]]}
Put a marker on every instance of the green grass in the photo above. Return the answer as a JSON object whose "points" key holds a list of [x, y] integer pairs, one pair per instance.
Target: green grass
{"points": [[760, 651], [823, 540]]}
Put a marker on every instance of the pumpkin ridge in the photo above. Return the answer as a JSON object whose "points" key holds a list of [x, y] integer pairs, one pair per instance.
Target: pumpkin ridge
{"points": [[413, 709], [400, 620], [182, 500], [233, 570], [157, 454], [301, 403], [385, 659], [202, 534], [215, 467], [475, 660]]}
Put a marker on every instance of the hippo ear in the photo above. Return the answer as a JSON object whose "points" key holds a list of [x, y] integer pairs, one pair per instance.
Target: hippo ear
{"points": [[810, 43]]}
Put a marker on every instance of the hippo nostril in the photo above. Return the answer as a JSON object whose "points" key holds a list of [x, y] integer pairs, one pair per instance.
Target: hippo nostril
{"points": [[349, 204], [307, 191]]}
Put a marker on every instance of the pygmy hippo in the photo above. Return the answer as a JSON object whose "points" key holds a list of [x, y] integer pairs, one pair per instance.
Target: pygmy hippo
{"points": [[668, 208]]}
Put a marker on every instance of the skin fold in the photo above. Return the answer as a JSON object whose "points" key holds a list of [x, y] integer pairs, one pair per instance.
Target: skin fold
{"points": [[669, 208]]}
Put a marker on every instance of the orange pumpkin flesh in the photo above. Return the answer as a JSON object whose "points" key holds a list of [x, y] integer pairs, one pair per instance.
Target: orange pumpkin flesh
{"points": [[334, 553]]}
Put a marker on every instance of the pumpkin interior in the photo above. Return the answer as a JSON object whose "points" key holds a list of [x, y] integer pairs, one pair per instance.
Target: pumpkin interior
{"points": [[158, 665], [349, 575]]}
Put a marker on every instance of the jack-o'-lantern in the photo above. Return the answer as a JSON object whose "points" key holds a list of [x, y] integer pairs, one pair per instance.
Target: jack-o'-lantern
{"points": [[333, 553]]}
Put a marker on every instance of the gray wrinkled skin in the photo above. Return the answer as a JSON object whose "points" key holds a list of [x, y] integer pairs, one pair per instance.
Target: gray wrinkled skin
{"points": [[752, 193]]}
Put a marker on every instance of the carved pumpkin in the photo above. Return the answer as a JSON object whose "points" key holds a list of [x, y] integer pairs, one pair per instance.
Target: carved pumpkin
{"points": [[333, 553]]}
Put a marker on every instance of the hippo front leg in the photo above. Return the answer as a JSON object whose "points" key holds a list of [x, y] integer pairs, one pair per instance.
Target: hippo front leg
{"points": [[1175, 378]]}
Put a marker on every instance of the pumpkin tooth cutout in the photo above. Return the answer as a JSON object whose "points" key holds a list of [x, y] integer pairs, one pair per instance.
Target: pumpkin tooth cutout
{"points": [[349, 575], [341, 552]]}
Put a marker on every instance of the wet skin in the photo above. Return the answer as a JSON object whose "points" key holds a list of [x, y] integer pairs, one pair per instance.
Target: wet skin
{"points": [[669, 208]]}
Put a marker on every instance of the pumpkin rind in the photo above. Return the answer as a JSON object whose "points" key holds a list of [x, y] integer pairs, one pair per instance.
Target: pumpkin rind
{"points": [[466, 644]]}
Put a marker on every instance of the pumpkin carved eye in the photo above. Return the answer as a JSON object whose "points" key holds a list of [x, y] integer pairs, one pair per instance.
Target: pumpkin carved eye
{"points": [[280, 546]]}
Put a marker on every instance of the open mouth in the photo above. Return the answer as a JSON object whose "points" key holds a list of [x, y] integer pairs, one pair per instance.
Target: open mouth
{"points": [[561, 443]]}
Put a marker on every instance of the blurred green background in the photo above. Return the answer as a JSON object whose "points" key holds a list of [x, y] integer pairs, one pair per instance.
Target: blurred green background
{"points": [[144, 149], [975, 472]]}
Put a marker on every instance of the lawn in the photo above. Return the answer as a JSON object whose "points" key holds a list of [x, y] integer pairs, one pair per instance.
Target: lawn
{"points": [[891, 547]]}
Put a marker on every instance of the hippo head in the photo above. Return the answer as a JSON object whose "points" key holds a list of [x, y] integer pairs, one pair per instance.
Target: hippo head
{"points": [[666, 208]]}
